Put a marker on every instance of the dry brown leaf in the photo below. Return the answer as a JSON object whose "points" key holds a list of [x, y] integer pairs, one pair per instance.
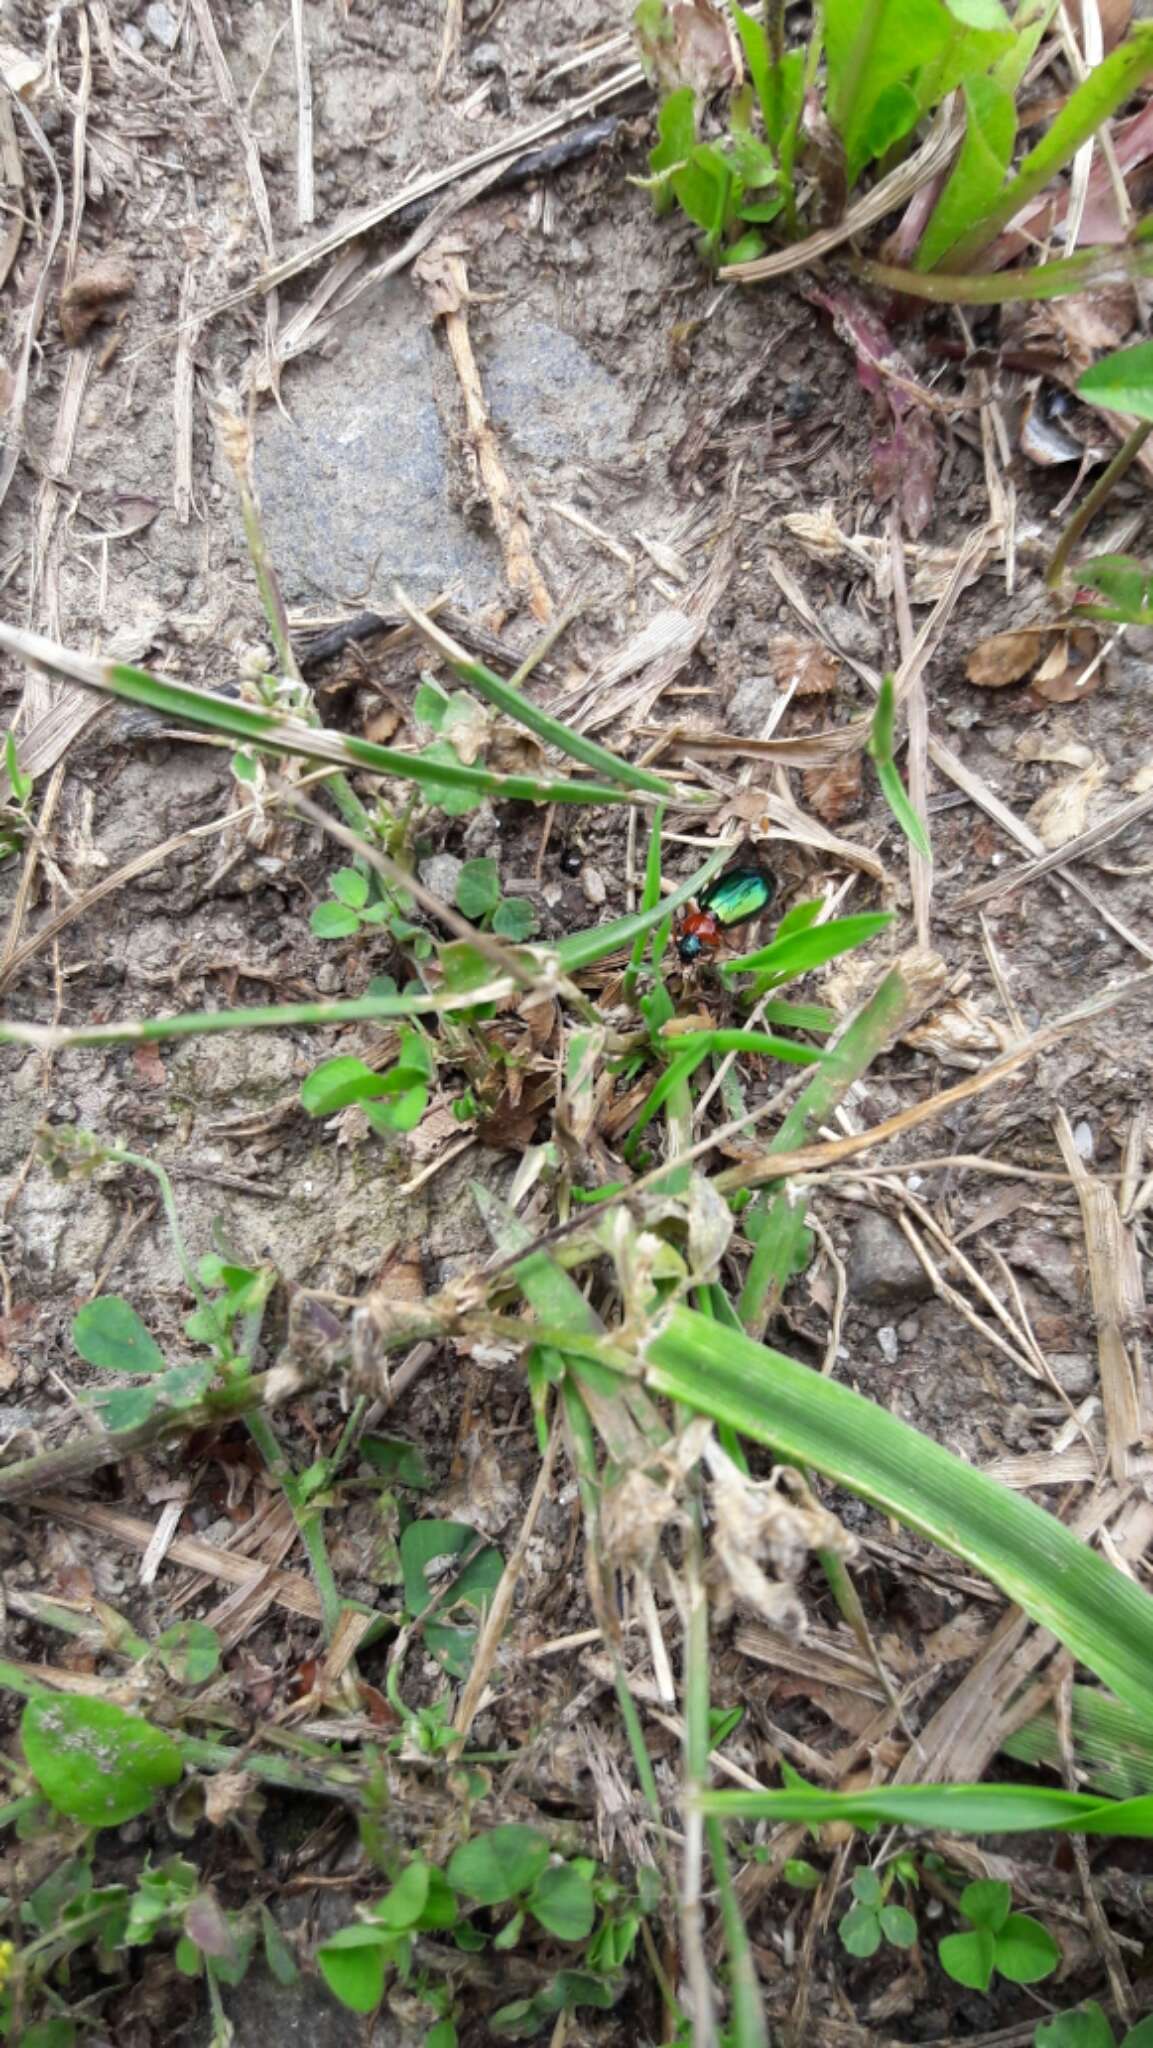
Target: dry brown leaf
{"points": [[834, 793], [380, 727], [1068, 681], [92, 294], [433, 1133], [803, 665], [226, 1794], [960, 1035], [401, 1277], [1063, 811], [1005, 657], [693, 44], [1058, 747]]}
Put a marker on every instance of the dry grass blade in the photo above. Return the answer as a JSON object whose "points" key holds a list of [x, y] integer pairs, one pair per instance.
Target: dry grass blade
{"points": [[1119, 1310], [886, 197], [305, 176], [14, 429], [1072, 849]]}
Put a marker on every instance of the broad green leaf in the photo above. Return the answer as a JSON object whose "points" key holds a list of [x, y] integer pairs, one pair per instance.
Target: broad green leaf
{"points": [[676, 129], [478, 888], [430, 704], [442, 2035], [514, 919], [123, 1407], [349, 886], [109, 1334], [1026, 1951], [189, 1652], [1121, 382], [1140, 2036], [1102, 1616], [860, 1931], [1106, 88], [429, 1542], [1085, 2027], [277, 1954], [867, 1887], [890, 119], [804, 1876], [968, 1958], [987, 1903], [182, 1385], [95, 1762], [869, 49], [898, 1926], [562, 1900], [979, 14], [396, 1459], [701, 188], [400, 1112], [440, 1909], [49, 2034], [403, 1905], [447, 793], [353, 1964], [1124, 583], [499, 1865], [337, 1082], [331, 920], [979, 172]]}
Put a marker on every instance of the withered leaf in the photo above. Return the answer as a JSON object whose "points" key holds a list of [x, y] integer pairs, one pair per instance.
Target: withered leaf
{"points": [[1068, 681], [804, 665], [1006, 657], [92, 293], [834, 793]]}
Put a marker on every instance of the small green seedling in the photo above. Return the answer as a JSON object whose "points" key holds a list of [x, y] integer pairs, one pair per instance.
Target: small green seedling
{"points": [[509, 1873], [351, 909], [872, 1919], [478, 897], [1087, 2027], [15, 812], [1121, 383], [998, 1942], [392, 1100], [881, 752]]}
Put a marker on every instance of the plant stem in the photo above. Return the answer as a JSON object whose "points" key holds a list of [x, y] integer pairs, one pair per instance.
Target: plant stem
{"points": [[1093, 500], [1090, 269], [309, 1520]]}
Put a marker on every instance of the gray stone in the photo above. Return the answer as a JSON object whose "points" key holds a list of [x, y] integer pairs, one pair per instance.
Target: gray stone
{"points": [[354, 483], [750, 704], [1073, 1371], [883, 1268], [486, 58], [550, 399], [162, 25], [850, 632], [441, 873]]}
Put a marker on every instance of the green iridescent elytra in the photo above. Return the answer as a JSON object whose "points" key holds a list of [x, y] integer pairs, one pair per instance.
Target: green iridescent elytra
{"points": [[736, 897]]}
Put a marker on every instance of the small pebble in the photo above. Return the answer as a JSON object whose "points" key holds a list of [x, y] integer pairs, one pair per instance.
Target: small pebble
{"points": [[592, 882], [887, 1339], [798, 401], [162, 25], [909, 1330], [485, 59], [441, 873], [1084, 1140]]}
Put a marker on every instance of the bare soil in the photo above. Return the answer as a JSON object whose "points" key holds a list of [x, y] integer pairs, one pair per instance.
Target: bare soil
{"points": [[610, 360]]}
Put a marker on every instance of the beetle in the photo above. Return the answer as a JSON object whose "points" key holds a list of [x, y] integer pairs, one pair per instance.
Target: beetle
{"points": [[734, 898]]}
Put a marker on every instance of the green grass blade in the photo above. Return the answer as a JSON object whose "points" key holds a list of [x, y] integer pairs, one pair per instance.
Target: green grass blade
{"points": [[1103, 1617], [962, 1809], [277, 735], [880, 750], [786, 959], [1112, 1745], [507, 698], [722, 1041], [581, 949], [650, 897], [274, 1017], [1106, 88]]}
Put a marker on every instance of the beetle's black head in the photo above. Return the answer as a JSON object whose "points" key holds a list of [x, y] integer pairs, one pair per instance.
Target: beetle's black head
{"points": [[689, 947]]}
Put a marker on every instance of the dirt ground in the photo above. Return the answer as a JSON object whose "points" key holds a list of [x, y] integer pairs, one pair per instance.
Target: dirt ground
{"points": [[686, 431]]}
